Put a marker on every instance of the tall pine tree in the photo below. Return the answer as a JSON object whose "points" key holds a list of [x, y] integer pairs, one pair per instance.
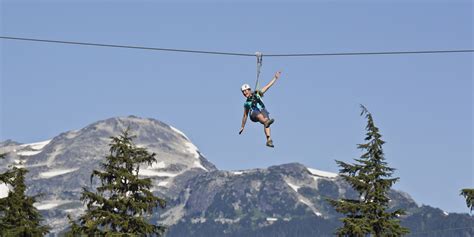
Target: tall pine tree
{"points": [[18, 216], [370, 176], [468, 194], [123, 200]]}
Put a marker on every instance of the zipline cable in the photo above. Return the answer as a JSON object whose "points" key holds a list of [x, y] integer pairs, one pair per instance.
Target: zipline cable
{"points": [[372, 53], [240, 54], [126, 46]]}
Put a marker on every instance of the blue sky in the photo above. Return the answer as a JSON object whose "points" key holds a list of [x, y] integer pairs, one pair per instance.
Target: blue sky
{"points": [[422, 103]]}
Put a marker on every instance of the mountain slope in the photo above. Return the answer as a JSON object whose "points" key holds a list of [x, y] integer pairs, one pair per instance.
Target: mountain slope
{"points": [[287, 200], [60, 167], [252, 201], [281, 200]]}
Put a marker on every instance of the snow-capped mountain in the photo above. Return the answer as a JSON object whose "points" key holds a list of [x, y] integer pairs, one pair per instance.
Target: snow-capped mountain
{"points": [[282, 200], [60, 167]]}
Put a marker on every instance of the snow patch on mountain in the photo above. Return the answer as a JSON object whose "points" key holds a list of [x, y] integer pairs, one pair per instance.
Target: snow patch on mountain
{"points": [[58, 151], [310, 205], [176, 213], [31, 149], [198, 164], [103, 126], [243, 172], [293, 186], [271, 219], [28, 153], [302, 198], [198, 220], [150, 172], [321, 173], [226, 220], [163, 183], [57, 172], [36, 145], [4, 189], [72, 134], [191, 148], [315, 178], [70, 210], [50, 204], [179, 132], [157, 165]]}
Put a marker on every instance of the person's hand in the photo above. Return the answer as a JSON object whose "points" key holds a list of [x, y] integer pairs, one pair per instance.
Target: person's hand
{"points": [[277, 74], [241, 130]]}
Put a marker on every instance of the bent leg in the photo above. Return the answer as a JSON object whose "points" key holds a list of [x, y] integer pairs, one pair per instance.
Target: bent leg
{"points": [[262, 118]]}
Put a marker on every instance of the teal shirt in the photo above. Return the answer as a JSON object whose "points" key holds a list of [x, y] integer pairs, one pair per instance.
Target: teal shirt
{"points": [[258, 106]]}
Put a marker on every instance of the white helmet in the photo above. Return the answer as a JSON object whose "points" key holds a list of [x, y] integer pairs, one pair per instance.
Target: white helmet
{"points": [[245, 87]]}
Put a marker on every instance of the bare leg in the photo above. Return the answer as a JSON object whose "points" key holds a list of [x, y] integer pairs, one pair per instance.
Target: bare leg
{"points": [[262, 119], [267, 133]]}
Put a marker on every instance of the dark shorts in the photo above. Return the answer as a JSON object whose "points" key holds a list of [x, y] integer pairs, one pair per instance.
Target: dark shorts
{"points": [[254, 114]]}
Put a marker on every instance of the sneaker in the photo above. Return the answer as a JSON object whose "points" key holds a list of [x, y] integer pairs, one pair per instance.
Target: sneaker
{"points": [[269, 122], [270, 143]]}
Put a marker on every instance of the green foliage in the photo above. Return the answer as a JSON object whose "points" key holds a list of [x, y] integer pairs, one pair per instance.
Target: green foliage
{"points": [[18, 216], [469, 196], [370, 176], [123, 199]]}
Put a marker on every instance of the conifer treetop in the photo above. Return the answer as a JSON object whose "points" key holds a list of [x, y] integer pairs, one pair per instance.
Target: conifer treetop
{"points": [[18, 216], [371, 177], [123, 200]]}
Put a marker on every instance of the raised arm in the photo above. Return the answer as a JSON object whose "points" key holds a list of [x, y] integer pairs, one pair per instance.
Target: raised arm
{"points": [[244, 120], [265, 88]]}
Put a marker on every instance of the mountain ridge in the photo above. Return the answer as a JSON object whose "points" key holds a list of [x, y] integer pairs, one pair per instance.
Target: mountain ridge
{"points": [[202, 200]]}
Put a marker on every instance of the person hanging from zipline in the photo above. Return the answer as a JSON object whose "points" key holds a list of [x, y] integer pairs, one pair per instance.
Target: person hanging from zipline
{"points": [[254, 107]]}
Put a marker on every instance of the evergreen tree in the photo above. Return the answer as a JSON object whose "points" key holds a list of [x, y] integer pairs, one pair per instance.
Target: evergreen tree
{"points": [[371, 178], [18, 216], [74, 228], [123, 199], [469, 196]]}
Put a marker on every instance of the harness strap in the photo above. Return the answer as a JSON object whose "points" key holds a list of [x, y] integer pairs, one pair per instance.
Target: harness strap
{"points": [[255, 98], [259, 56]]}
